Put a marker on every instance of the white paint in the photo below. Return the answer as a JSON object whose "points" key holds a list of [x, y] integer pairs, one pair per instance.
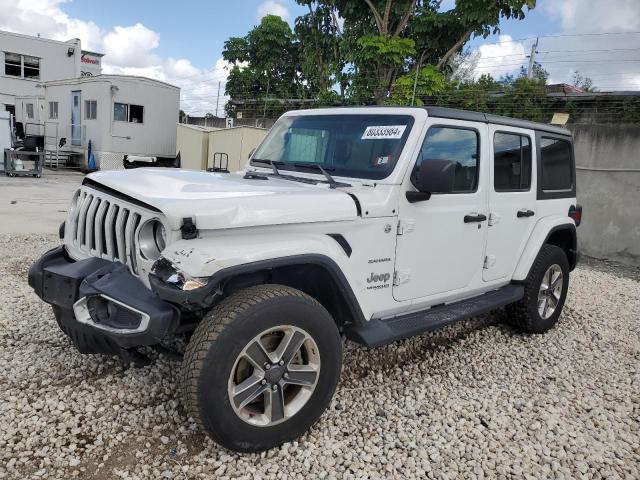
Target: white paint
{"points": [[5, 135], [156, 136], [507, 236], [58, 60], [436, 257], [220, 201]]}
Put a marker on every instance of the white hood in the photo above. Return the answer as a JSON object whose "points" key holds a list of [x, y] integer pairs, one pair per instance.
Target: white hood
{"points": [[217, 200]]}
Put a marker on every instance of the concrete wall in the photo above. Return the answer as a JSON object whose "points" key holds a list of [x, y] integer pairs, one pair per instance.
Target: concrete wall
{"points": [[608, 173]]}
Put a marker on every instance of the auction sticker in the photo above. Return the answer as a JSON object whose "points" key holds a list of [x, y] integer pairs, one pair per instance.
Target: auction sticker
{"points": [[385, 131]]}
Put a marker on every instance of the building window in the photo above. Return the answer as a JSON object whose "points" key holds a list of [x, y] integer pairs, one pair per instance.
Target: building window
{"points": [[556, 164], [12, 64], [29, 109], [90, 109], [511, 162], [458, 145], [31, 67], [136, 113], [53, 110], [24, 66], [123, 112]]}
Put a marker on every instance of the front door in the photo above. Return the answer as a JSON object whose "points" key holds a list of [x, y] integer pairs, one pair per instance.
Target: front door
{"points": [[441, 241], [512, 199], [76, 122]]}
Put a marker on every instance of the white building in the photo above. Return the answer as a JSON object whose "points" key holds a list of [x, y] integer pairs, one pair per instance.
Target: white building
{"points": [[56, 89], [27, 61], [90, 63], [119, 114]]}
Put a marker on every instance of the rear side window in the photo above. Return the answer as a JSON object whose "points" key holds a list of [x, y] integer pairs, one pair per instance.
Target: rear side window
{"points": [[459, 145], [512, 162], [555, 156]]}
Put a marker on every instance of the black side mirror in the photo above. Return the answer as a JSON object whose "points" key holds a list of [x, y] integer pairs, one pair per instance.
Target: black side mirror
{"points": [[433, 176]]}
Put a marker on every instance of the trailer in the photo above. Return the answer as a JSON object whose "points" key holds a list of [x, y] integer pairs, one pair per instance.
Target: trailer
{"points": [[120, 114]]}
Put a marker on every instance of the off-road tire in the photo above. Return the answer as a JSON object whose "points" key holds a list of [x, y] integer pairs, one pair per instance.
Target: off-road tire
{"points": [[219, 339], [524, 314]]}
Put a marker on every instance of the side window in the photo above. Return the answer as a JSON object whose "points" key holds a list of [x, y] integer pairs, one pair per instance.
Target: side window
{"points": [[53, 110], [12, 64], [90, 109], [120, 112], [511, 162], [459, 145], [555, 157], [136, 113], [31, 67], [29, 108]]}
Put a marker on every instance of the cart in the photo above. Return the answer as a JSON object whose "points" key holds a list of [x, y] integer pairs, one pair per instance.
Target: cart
{"points": [[23, 163]]}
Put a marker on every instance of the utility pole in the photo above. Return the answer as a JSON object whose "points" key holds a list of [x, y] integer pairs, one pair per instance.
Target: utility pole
{"points": [[532, 58], [264, 113], [218, 99], [415, 81]]}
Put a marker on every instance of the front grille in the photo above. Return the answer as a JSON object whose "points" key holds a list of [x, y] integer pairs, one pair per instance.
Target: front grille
{"points": [[101, 226]]}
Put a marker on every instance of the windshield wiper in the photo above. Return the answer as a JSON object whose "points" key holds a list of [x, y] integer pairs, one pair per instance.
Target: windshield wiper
{"points": [[269, 162], [332, 183]]}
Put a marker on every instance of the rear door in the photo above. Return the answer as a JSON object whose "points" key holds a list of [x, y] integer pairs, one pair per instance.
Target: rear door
{"points": [[512, 199]]}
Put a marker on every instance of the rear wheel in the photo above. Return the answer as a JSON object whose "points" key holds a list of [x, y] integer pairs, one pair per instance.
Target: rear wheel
{"points": [[262, 367], [545, 292]]}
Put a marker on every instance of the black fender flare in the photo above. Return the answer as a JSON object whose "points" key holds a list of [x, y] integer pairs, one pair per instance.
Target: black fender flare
{"points": [[206, 297], [573, 255]]}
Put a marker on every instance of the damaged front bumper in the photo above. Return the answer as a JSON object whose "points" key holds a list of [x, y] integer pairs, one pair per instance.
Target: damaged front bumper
{"points": [[100, 305]]}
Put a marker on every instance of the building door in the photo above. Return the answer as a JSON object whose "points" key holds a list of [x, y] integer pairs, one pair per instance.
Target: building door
{"points": [[76, 121], [441, 241]]}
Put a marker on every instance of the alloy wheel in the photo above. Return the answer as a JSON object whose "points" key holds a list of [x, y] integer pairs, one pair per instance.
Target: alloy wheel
{"points": [[550, 291], [274, 376]]}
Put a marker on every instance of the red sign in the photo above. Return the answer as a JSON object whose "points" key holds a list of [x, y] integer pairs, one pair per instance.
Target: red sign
{"points": [[91, 60]]}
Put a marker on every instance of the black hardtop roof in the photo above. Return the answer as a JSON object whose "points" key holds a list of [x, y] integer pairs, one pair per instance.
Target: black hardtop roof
{"points": [[468, 115]]}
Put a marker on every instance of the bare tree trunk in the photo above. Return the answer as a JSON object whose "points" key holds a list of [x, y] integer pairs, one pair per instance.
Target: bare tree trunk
{"points": [[456, 46]]}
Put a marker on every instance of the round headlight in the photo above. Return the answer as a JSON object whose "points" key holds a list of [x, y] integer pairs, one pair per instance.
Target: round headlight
{"points": [[152, 239]]}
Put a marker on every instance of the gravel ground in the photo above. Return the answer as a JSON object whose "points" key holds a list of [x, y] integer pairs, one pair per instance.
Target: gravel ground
{"points": [[474, 400]]}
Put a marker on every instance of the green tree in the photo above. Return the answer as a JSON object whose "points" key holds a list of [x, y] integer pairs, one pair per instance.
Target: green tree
{"points": [[322, 61], [359, 47], [430, 82], [393, 36], [264, 64]]}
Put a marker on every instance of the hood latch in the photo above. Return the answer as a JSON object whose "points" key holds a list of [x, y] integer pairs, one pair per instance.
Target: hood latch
{"points": [[188, 229]]}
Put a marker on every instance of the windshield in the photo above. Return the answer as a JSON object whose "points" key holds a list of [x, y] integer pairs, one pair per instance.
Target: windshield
{"points": [[358, 146]]}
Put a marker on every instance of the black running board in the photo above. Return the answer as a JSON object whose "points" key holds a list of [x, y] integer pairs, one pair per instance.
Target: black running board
{"points": [[376, 332]]}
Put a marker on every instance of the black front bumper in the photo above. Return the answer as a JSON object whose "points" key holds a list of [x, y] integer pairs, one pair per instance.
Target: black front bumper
{"points": [[100, 305]]}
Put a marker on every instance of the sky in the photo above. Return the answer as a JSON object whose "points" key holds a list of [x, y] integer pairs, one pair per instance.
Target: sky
{"points": [[181, 42]]}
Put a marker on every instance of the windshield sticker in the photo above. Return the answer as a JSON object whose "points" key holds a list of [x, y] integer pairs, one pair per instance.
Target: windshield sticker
{"points": [[384, 131], [382, 160]]}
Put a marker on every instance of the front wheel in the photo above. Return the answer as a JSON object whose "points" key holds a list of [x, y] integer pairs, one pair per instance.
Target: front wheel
{"points": [[545, 290], [261, 367]]}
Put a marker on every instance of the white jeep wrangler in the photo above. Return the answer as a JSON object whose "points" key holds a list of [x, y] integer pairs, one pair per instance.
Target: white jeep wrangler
{"points": [[374, 223]]}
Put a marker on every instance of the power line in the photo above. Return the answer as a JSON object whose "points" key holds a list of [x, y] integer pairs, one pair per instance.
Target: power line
{"points": [[594, 34]]}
